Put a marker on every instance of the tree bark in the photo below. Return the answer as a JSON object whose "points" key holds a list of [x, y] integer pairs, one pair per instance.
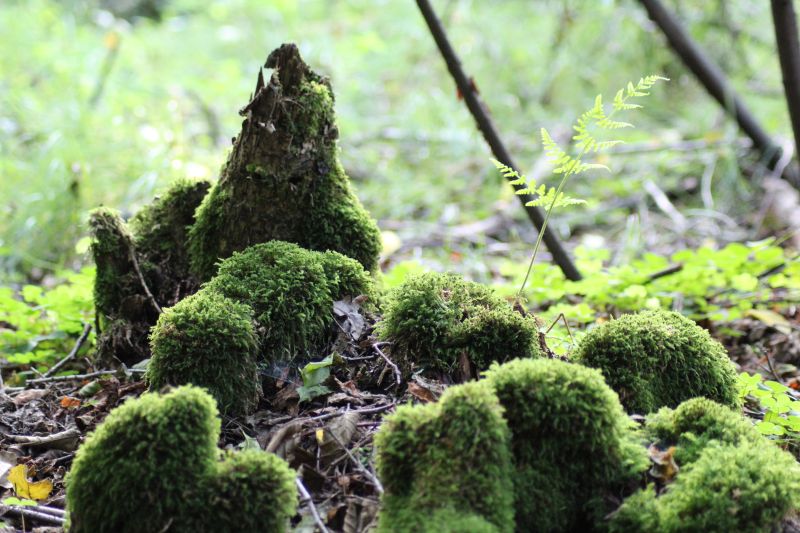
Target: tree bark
{"points": [[785, 21]]}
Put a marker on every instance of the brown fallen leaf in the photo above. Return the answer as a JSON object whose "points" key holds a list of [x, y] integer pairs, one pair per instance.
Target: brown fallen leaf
{"points": [[420, 392], [29, 395], [664, 468], [68, 402]]}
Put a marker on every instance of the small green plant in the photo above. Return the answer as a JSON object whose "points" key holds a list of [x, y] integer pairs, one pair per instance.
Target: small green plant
{"points": [[314, 374], [594, 118], [38, 326], [781, 410]]}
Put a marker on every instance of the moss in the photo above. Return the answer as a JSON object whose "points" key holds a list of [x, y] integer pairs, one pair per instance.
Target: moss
{"points": [[453, 454], [142, 468], [209, 341], [152, 465], [659, 359], [115, 283], [291, 291], [283, 180], [432, 319], [253, 490], [160, 232], [573, 445], [448, 520], [695, 424], [728, 488]]}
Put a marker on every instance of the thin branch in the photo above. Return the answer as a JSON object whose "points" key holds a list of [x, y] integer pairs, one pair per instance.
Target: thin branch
{"points": [[306, 498], [71, 355], [398, 376], [132, 254], [30, 514], [70, 378], [477, 108], [785, 22], [361, 468], [714, 81]]}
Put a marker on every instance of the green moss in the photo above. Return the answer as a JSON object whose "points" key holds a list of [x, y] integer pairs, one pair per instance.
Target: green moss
{"points": [[152, 466], [291, 291], [451, 521], [115, 280], [142, 468], [572, 443], [695, 424], [659, 359], [209, 341], [283, 180], [728, 488], [432, 319], [253, 491], [160, 232], [453, 454]]}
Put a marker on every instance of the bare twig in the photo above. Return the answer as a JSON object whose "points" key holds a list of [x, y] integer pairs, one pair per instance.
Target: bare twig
{"points": [[31, 514], [714, 81], [477, 108], [132, 254], [398, 376], [305, 497], [71, 355], [63, 439], [341, 412], [69, 378], [372, 477]]}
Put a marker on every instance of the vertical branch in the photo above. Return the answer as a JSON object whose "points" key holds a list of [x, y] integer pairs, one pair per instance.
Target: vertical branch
{"points": [[718, 86], [785, 21], [486, 127]]}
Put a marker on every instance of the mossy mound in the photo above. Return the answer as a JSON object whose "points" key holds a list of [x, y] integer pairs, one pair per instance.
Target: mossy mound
{"points": [[574, 447], [658, 359], [153, 465], [283, 179], [747, 488], [432, 320], [695, 424], [208, 340], [451, 455], [291, 291], [141, 268]]}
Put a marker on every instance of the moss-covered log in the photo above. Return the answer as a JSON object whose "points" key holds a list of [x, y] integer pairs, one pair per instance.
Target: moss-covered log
{"points": [[283, 180]]}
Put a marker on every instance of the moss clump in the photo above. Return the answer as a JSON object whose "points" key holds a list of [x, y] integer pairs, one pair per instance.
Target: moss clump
{"points": [[573, 445], [209, 341], [453, 454], [253, 491], [452, 521], [291, 291], [728, 488], [153, 464], [695, 424], [658, 359], [155, 244], [433, 319], [283, 180]]}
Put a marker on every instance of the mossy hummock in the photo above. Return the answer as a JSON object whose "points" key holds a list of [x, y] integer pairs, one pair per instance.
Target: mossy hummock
{"points": [[575, 450], [451, 457], [658, 359], [433, 319], [153, 465], [141, 268], [208, 340], [283, 179], [291, 291]]}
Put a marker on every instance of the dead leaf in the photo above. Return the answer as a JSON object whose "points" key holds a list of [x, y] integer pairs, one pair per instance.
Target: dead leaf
{"points": [[771, 319], [421, 393], [69, 403], [36, 490], [336, 434], [664, 467], [285, 440], [29, 395], [350, 319]]}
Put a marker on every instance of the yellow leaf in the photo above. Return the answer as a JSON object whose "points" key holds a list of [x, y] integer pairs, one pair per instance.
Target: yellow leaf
{"points": [[771, 319], [37, 490], [320, 435]]}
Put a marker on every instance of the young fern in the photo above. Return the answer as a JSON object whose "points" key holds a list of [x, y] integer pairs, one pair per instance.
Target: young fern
{"points": [[585, 143]]}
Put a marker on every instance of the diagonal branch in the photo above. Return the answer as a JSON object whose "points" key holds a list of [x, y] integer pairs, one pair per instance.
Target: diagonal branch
{"points": [[714, 81], [478, 110], [785, 20]]}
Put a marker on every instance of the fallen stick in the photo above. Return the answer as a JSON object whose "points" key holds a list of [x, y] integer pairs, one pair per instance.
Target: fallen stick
{"points": [[306, 498], [398, 376], [30, 514], [33, 440], [71, 355], [70, 378]]}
